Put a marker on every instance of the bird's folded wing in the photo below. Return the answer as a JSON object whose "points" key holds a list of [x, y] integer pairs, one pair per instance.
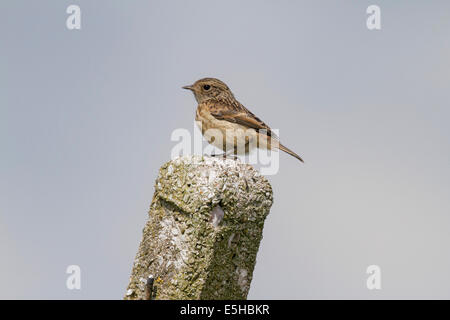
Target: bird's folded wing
{"points": [[246, 119]]}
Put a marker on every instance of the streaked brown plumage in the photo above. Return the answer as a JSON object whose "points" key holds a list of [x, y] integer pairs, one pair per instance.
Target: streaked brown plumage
{"points": [[219, 110]]}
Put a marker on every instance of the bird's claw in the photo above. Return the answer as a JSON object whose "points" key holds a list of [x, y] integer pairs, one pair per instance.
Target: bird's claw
{"points": [[225, 156]]}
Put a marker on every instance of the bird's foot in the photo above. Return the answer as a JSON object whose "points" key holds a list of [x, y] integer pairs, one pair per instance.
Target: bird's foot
{"points": [[230, 156], [225, 156], [217, 155]]}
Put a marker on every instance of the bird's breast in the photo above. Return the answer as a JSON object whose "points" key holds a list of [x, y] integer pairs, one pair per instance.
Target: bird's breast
{"points": [[222, 134]]}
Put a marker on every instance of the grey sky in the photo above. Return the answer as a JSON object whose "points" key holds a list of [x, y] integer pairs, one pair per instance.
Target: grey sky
{"points": [[86, 118]]}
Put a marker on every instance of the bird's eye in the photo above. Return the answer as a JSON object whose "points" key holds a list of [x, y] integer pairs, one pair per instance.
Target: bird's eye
{"points": [[206, 87]]}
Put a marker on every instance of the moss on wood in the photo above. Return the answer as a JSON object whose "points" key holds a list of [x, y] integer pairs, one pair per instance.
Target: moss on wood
{"points": [[203, 232]]}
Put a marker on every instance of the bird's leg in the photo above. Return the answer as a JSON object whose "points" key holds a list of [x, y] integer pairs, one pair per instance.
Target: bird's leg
{"points": [[230, 154], [218, 155], [226, 155]]}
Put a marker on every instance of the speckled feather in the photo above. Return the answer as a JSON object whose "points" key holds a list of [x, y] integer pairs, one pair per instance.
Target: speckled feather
{"points": [[218, 108]]}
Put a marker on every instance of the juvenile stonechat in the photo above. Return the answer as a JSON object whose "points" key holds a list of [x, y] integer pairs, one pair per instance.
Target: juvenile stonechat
{"points": [[227, 124]]}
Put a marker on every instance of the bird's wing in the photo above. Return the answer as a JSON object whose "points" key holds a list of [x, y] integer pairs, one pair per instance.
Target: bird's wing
{"points": [[240, 115]]}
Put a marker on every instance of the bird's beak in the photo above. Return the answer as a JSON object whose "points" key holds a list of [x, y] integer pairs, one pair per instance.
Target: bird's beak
{"points": [[188, 88]]}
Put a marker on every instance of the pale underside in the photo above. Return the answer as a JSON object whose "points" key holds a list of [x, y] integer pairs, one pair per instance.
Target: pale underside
{"points": [[232, 137]]}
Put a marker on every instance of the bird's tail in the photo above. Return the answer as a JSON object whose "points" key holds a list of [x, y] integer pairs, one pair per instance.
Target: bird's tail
{"points": [[292, 153]]}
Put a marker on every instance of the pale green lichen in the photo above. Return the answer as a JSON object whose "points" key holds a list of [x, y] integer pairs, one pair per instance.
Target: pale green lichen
{"points": [[193, 254]]}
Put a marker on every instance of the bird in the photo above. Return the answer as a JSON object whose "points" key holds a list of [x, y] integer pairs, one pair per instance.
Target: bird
{"points": [[227, 124]]}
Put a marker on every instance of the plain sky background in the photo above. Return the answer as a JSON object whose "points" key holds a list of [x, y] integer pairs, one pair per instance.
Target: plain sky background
{"points": [[86, 118]]}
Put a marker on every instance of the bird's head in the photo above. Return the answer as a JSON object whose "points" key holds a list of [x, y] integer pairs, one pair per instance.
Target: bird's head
{"points": [[209, 88]]}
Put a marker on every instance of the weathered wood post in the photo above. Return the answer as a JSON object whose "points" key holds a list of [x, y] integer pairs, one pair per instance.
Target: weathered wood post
{"points": [[203, 232]]}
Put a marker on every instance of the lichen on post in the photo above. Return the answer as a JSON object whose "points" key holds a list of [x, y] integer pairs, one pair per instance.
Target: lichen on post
{"points": [[203, 231]]}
